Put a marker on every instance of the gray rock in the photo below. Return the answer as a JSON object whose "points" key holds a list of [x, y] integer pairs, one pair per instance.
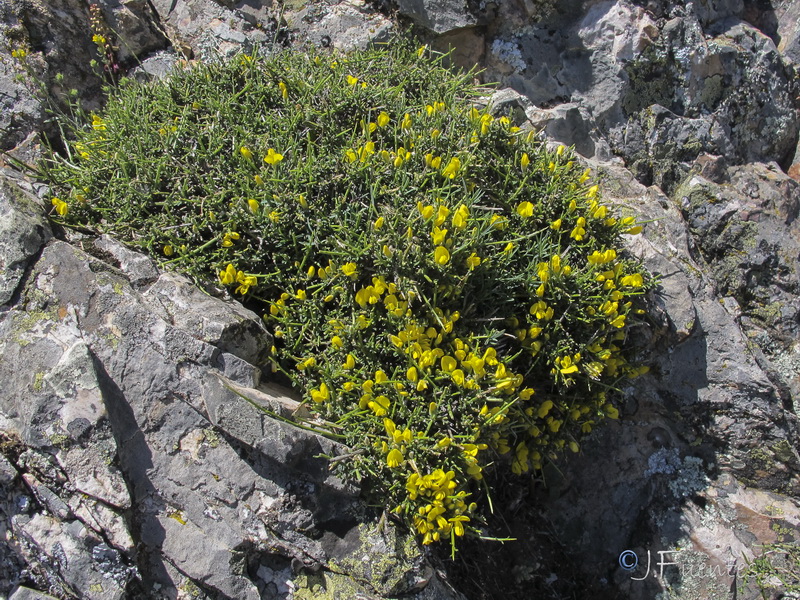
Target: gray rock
{"points": [[785, 29], [345, 25], [746, 228], [722, 94], [26, 593], [208, 30], [23, 232], [439, 17]]}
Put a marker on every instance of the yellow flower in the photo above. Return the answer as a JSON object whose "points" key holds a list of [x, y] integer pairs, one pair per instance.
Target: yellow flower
{"points": [[426, 210], [98, 124], [525, 209], [460, 217], [245, 151], [272, 157], [452, 168], [473, 261], [525, 161], [349, 269], [441, 255], [383, 119], [253, 205], [284, 90], [337, 342], [352, 81], [498, 222], [258, 180], [229, 238], [320, 395], [394, 458], [566, 365], [349, 363], [60, 206], [438, 235], [274, 216], [228, 276], [448, 363], [245, 282], [378, 223]]}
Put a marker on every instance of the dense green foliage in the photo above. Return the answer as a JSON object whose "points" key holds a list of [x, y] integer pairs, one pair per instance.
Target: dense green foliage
{"points": [[450, 295]]}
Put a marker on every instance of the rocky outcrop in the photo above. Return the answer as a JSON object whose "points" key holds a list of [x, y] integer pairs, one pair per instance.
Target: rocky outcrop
{"points": [[145, 451]]}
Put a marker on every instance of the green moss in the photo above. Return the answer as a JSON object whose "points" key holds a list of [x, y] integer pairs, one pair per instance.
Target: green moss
{"points": [[326, 585], [27, 322], [211, 437], [784, 452], [59, 440], [712, 92], [769, 314], [393, 553], [38, 379], [650, 81]]}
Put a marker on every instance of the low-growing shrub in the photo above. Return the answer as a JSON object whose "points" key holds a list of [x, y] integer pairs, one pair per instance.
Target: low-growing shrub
{"points": [[450, 295]]}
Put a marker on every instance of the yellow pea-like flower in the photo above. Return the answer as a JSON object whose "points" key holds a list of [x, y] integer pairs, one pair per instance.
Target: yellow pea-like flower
{"points": [[525, 209]]}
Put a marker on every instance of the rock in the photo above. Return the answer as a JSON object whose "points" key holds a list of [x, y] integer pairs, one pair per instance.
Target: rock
{"points": [[572, 125], [144, 451], [208, 30], [24, 230], [135, 26], [344, 26], [784, 27], [26, 593], [745, 226], [20, 110], [57, 35], [439, 17], [713, 101]]}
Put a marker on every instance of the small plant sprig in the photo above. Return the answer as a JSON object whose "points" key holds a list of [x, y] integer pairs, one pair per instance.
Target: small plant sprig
{"points": [[776, 568], [450, 295], [102, 39]]}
